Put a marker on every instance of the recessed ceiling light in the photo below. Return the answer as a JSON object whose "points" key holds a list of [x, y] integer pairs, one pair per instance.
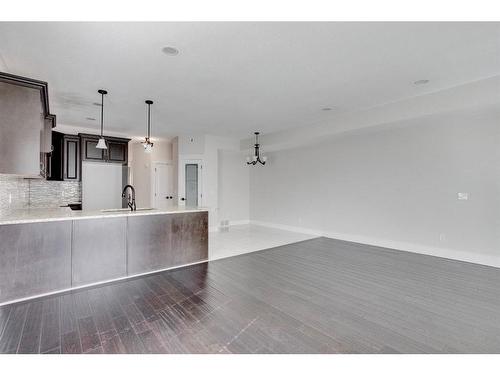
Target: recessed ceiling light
{"points": [[326, 108], [171, 51], [421, 82], [90, 118]]}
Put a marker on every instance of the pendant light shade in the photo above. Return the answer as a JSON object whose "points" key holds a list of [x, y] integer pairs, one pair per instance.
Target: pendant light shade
{"points": [[148, 145], [102, 142]]}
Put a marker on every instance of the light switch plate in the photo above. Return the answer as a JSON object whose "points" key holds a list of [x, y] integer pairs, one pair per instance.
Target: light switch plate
{"points": [[463, 196]]}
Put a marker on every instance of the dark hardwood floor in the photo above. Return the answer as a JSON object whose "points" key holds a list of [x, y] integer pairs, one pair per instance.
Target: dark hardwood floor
{"points": [[316, 296]]}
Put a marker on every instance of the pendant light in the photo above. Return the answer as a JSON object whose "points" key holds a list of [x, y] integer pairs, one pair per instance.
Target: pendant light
{"points": [[102, 142], [148, 145], [253, 160]]}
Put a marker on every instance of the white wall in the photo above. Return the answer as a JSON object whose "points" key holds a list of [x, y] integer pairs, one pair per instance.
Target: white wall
{"points": [[191, 144], [140, 171], [394, 186], [175, 169], [233, 187], [205, 148], [141, 165]]}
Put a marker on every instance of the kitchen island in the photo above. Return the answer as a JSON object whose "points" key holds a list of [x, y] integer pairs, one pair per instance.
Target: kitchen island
{"points": [[45, 251]]}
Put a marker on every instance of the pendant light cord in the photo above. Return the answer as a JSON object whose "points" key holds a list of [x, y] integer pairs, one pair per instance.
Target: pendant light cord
{"points": [[148, 138], [149, 121], [102, 113], [102, 92]]}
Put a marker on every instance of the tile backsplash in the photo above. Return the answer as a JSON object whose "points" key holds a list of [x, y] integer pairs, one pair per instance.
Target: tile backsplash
{"points": [[16, 192]]}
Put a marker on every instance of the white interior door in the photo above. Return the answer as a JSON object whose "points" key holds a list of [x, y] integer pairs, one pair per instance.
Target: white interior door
{"points": [[163, 186], [190, 183]]}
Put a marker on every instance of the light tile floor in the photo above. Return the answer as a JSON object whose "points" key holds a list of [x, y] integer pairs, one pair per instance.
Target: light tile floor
{"points": [[241, 239]]}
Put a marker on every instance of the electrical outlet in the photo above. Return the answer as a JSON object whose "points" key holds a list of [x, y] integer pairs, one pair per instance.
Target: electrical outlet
{"points": [[442, 237], [463, 196]]}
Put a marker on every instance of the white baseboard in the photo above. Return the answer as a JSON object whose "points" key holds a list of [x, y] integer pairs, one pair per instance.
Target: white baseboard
{"points": [[231, 223], [239, 222], [289, 228], [483, 259]]}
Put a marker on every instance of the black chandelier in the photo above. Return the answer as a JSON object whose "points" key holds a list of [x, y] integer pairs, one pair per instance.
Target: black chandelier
{"points": [[253, 160]]}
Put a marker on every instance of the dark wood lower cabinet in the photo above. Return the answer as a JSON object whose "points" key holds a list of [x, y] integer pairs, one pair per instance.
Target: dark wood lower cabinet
{"points": [[40, 258]]}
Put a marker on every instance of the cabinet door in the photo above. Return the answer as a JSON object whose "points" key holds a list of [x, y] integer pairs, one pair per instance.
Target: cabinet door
{"points": [[71, 158], [90, 152], [117, 152], [20, 124], [56, 158]]}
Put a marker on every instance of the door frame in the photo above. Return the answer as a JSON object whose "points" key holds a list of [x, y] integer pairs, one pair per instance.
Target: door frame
{"points": [[153, 181], [182, 181]]}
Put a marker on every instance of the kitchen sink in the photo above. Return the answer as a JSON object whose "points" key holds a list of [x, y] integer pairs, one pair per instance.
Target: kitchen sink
{"points": [[126, 209]]}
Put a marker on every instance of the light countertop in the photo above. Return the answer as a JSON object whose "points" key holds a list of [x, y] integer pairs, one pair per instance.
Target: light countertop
{"points": [[40, 215]]}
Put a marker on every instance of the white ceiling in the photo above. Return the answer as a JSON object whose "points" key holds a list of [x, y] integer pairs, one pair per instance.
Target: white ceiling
{"points": [[233, 78]]}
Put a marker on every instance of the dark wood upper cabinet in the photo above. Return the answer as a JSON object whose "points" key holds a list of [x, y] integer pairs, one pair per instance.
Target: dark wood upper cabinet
{"points": [[89, 150], [25, 126], [117, 151], [68, 152], [64, 161], [71, 158], [55, 159]]}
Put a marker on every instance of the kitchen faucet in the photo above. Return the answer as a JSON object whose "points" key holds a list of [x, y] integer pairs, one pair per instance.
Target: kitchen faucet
{"points": [[131, 204]]}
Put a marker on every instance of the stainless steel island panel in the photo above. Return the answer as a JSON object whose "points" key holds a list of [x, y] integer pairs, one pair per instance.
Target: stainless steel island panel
{"points": [[38, 258], [34, 259], [159, 242], [99, 250]]}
